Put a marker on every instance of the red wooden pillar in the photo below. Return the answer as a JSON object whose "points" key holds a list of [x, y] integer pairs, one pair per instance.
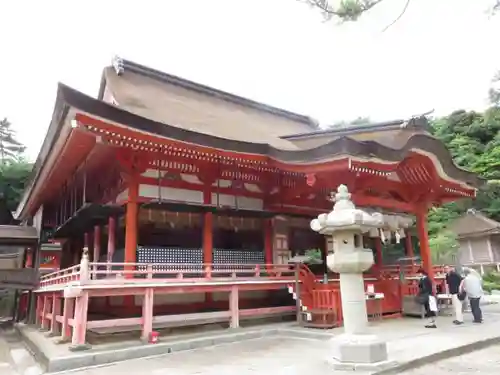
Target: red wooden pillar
{"points": [[111, 238], [208, 241], [208, 219], [268, 241], [423, 236], [68, 313], [234, 309], [45, 311], [131, 225], [147, 314], [111, 246], [131, 233], [90, 245], [207, 234], [97, 248], [80, 321], [39, 310], [56, 310]]}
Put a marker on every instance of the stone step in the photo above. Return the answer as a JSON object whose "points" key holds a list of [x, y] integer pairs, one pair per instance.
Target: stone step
{"points": [[15, 358], [24, 363]]}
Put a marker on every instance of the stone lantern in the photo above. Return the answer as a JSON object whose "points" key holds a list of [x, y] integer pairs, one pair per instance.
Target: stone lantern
{"points": [[355, 348]]}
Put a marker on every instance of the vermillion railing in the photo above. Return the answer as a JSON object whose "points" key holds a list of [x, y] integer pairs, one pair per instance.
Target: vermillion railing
{"points": [[63, 276], [96, 272], [170, 272]]}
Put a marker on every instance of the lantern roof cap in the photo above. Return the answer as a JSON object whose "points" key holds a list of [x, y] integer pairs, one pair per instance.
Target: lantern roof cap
{"points": [[345, 216]]}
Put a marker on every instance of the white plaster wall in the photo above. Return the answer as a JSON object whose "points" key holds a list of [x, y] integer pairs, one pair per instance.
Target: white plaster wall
{"points": [[168, 193], [253, 188], [240, 202], [153, 173]]}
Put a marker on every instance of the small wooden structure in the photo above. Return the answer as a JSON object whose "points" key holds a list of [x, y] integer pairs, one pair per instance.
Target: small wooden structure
{"points": [[479, 241], [14, 276]]}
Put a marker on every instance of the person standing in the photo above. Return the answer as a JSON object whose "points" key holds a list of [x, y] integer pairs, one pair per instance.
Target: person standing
{"points": [[472, 286], [427, 298], [453, 281]]}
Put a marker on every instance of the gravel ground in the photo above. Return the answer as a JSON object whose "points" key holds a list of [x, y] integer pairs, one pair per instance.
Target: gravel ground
{"points": [[484, 362]]}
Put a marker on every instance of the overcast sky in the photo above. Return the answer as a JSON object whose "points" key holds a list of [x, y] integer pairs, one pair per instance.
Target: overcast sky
{"points": [[441, 54]]}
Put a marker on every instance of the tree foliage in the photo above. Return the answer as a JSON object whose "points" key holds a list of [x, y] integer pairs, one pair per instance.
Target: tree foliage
{"points": [[14, 169], [473, 139], [10, 147], [444, 246], [13, 178]]}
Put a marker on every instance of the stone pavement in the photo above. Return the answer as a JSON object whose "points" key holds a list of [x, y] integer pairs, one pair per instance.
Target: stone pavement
{"points": [[484, 362], [14, 357], [296, 350]]}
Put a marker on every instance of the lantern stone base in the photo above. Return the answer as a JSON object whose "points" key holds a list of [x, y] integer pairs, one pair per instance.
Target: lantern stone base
{"points": [[359, 352]]}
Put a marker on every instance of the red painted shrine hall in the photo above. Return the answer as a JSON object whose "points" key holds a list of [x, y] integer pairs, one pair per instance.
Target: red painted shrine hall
{"points": [[191, 201]]}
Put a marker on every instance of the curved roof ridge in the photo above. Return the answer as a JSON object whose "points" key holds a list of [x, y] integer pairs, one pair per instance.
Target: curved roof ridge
{"points": [[419, 122], [482, 216], [121, 66]]}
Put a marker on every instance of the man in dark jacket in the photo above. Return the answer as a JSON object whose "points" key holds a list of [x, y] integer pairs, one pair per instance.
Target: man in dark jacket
{"points": [[453, 281], [427, 297]]}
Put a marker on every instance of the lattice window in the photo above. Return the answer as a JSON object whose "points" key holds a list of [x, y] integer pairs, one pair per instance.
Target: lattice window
{"points": [[180, 259], [237, 257]]}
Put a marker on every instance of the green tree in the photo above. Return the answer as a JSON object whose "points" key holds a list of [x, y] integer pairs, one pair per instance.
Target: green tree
{"points": [[473, 139], [13, 177], [14, 169], [444, 246], [10, 147]]}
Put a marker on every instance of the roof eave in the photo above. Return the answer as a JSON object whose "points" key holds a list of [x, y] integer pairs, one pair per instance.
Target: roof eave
{"points": [[58, 116], [483, 233], [344, 145]]}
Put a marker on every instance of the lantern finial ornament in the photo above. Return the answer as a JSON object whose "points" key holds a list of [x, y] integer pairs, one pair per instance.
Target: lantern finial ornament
{"points": [[343, 199]]}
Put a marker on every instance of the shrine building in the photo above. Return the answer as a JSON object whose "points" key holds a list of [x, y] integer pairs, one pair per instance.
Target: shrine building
{"points": [[172, 202]]}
